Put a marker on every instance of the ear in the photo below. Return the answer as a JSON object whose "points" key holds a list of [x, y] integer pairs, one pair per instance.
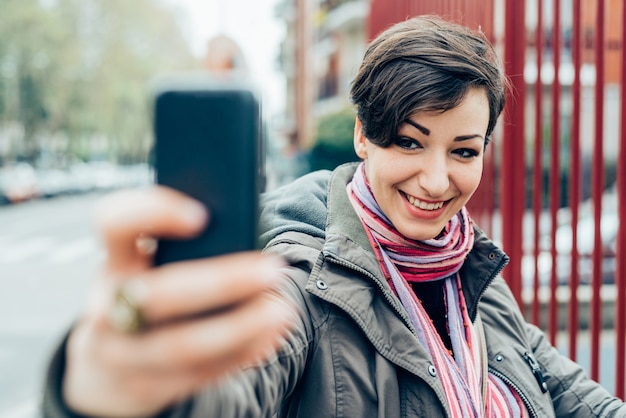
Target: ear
{"points": [[360, 141]]}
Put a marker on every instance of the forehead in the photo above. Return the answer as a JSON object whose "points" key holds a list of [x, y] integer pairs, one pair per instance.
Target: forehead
{"points": [[470, 114], [475, 100]]}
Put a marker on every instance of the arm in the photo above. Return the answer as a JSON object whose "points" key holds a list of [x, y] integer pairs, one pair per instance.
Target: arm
{"points": [[258, 391], [573, 393], [262, 391], [206, 319]]}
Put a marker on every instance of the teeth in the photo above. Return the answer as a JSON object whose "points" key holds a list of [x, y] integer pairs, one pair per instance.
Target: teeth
{"points": [[423, 205]]}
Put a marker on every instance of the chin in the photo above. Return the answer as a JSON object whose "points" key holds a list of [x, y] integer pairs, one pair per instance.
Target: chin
{"points": [[422, 234]]}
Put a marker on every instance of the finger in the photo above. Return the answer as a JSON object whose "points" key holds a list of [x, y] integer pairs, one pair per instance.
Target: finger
{"points": [[223, 341], [200, 286], [154, 212]]}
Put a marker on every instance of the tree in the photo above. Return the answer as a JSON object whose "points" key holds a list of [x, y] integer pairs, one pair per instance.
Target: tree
{"points": [[79, 70], [26, 34], [333, 141]]}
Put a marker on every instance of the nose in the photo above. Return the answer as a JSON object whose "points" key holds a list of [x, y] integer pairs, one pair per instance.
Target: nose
{"points": [[433, 176]]}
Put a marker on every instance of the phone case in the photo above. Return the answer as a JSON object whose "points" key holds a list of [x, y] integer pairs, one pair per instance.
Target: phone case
{"points": [[208, 145]]}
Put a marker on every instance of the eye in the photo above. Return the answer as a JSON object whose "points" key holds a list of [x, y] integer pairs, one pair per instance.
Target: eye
{"points": [[466, 153], [406, 143]]}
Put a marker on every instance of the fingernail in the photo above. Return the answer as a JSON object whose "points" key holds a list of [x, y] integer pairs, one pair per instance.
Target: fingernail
{"points": [[194, 213], [146, 245]]}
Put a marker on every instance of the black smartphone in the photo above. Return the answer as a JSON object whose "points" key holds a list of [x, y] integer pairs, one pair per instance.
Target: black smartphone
{"points": [[208, 144]]}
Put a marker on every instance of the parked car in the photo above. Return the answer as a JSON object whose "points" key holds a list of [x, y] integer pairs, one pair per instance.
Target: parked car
{"points": [[609, 224], [52, 182], [18, 182]]}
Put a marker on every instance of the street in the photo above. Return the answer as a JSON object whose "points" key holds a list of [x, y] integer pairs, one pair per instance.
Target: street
{"points": [[49, 254]]}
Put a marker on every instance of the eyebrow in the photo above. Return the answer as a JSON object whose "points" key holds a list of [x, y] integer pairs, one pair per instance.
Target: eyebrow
{"points": [[426, 132]]}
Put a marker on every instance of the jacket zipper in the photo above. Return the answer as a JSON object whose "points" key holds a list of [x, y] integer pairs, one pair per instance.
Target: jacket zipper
{"points": [[534, 367], [523, 397], [527, 358], [517, 390]]}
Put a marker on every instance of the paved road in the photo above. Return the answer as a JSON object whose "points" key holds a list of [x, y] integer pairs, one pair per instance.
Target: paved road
{"points": [[48, 256], [48, 253]]}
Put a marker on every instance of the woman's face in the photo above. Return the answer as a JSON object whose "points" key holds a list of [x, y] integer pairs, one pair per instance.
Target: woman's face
{"points": [[432, 168]]}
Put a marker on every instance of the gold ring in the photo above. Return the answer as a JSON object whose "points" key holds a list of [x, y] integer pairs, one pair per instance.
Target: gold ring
{"points": [[125, 315]]}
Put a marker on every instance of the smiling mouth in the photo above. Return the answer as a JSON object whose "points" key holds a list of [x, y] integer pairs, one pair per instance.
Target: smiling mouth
{"points": [[424, 205]]}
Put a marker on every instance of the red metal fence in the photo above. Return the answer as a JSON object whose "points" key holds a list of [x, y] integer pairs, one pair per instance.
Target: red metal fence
{"points": [[554, 193]]}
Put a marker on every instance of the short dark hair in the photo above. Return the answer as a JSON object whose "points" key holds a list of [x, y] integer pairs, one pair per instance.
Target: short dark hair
{"points": [[423, 64]]}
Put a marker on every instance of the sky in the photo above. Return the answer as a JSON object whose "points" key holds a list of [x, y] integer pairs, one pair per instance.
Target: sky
{"points": [[251, 23]]}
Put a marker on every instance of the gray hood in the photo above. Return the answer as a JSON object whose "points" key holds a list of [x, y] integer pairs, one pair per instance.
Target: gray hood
{"points": [[299, 206]]}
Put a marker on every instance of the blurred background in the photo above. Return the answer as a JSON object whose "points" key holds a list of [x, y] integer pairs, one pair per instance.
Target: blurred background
{"points": [[75, 123]]}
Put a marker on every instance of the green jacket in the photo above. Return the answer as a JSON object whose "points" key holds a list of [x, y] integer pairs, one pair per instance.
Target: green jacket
{"points": [[354, 353]]}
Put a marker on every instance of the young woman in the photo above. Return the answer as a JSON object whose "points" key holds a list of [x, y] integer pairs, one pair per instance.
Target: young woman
{"points": [[391, 304]]}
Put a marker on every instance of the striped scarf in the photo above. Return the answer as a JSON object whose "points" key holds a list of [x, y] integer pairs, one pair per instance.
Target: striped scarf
{"points": [[404, 261]]}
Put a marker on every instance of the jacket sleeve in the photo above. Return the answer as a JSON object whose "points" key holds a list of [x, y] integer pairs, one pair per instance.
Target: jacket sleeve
{"points": [[266, 390], [256, 392], [261, 391], [53, 405], [573, 393]]}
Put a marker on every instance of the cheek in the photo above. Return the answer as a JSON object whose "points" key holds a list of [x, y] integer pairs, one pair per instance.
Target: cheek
{"points": [[380, 179], [468, 180], [471, 178]]}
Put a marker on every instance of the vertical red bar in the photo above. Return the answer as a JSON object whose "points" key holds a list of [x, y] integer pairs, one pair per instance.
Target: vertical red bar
{"points": [[481, 206], [538, 159], [620, 268], [597, 189], [555, 168], [575, 178], [513, 153]]}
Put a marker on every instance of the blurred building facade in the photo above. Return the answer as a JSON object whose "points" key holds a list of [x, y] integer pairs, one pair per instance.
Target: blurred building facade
{"points": [[324, 43]]}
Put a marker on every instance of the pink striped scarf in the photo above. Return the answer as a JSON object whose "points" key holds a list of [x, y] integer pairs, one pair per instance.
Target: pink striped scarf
{"points": [[405, 260]]}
